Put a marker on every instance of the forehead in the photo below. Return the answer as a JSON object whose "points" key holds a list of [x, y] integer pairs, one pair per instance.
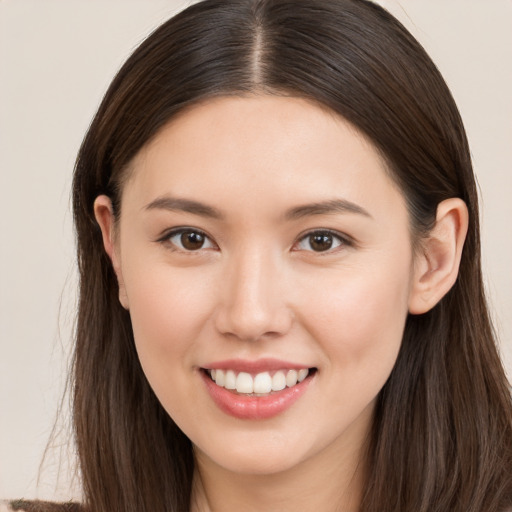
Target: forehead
{"points": [[258, 147]]}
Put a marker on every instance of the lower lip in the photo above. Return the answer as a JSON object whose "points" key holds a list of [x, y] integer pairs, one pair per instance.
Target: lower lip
{"points": [[246, 407]]}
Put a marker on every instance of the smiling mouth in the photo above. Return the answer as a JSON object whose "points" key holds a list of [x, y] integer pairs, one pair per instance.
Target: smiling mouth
{"points": [[260, 384]]}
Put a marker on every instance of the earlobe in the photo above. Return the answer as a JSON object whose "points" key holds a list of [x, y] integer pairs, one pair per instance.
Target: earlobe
{"points": [[105, 218], [437, 264]]}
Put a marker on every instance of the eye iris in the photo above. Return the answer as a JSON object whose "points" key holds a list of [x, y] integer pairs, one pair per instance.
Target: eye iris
{"points": [[192, 240], [320, 242]]}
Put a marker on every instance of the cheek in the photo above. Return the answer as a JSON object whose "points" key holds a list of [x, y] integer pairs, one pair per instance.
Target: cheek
{"points": [[168, 310], [360, 324]]}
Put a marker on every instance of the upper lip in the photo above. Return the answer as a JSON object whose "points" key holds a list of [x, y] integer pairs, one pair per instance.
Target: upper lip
{"points": [[257, 366]]}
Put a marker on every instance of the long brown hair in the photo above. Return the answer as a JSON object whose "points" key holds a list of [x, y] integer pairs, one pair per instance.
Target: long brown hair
{"points": [[442, 434]]}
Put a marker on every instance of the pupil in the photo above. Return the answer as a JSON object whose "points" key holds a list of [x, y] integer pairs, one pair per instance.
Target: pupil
{"points": [[320, 242], [192, 240]]}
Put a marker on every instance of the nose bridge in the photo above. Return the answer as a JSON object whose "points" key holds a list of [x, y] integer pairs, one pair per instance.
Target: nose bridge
{"points": [[253, 303]]}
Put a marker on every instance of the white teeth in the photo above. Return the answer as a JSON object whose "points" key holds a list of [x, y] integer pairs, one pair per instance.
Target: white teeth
{"points": [[244, 383], [278, 381], [302, 374], [230, 382], [220, 378], [291, 378], [261, 384]]}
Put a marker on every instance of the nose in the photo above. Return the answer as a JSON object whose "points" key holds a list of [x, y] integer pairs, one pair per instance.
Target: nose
{"points": [[253, 301]]}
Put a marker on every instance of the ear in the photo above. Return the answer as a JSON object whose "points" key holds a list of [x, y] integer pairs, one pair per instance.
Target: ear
{"points": [[104, 214], [437, 262]]}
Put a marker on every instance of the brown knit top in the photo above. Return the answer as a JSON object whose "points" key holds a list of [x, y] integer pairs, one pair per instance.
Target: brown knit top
{"points": [[39, 506]]}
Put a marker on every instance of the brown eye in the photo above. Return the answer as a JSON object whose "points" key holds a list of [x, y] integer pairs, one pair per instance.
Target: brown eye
{"points": [[192, 240], [321, 241], [189, 240]]}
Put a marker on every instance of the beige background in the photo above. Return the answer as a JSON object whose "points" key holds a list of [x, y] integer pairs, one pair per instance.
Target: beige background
{"points": [[56, 60]]}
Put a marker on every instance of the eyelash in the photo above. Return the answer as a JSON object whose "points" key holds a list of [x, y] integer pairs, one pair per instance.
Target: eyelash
{"points": [[167, 238], [343, 240]]}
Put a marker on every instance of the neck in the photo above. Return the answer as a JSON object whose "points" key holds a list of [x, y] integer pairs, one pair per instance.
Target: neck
{"points": [[330, 482]]}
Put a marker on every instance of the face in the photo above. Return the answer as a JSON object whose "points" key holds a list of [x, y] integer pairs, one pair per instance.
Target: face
{"points": [[261, 241]]}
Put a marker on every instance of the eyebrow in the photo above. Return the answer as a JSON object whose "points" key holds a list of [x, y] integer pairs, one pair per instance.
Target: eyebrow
{"points": [[197, 208], [184, 205], [326, 208]]}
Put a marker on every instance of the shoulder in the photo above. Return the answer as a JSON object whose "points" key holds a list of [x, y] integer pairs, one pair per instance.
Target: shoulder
{"points": [[39, 506]]}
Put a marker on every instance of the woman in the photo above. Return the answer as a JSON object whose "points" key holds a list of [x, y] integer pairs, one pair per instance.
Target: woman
{"points": [[281, 299]]}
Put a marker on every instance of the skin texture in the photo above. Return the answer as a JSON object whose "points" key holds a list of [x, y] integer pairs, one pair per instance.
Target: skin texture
{"points": [[257, 289]]}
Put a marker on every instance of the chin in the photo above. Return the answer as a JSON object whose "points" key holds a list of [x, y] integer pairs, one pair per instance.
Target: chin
{"points": [[254, 458]]}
